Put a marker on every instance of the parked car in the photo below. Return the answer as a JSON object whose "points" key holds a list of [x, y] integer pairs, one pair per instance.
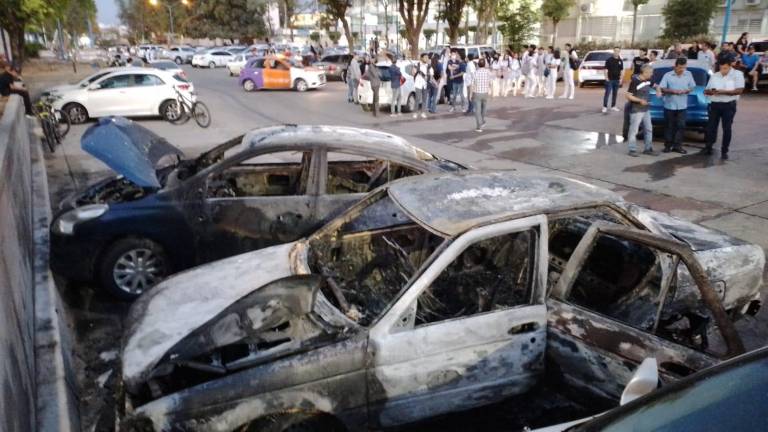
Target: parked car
{"points": [[83, 83], [238, 63], [168, 66], [179, 54], [407, 88], [697, 114], [334, 66], [761, 48], [724, 397], [592, 67], [277, 72], [475, 50], [435, 294], [128, 91], [212, 58], [273, 185]]}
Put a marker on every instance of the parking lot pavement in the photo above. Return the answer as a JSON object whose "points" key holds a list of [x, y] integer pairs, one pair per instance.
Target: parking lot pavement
{"points": [[570, 138]]}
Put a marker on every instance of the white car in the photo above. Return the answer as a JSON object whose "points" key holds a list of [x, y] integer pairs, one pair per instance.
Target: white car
{"points": [[238, 63], [179, 54], [83, 83], [407, 88], [168, 66], [212, 58], [125, 92], [592, 67]]}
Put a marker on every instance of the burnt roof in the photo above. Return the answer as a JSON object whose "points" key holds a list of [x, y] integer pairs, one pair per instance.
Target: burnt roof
{"points": [[452, 203]]}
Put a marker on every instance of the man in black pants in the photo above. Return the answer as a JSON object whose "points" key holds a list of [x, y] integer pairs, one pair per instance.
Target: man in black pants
{"points": [[723, 89], [675, 86], [7, 77]]}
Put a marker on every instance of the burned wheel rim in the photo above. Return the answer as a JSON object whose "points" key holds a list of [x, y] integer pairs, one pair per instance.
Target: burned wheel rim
{"points": [[137, 270], [77, 114]]}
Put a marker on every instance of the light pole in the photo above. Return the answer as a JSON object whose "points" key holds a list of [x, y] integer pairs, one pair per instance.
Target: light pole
{"points": [[170, 14], [726, 21]]}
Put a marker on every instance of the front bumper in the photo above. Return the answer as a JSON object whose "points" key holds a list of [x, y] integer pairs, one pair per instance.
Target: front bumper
{"points": [[73, 258]]}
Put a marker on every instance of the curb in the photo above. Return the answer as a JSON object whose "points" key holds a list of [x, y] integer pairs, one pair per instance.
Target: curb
{"points": [[56, 396]]}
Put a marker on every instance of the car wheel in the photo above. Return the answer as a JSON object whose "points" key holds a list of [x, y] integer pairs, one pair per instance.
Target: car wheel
{"points": [[170, 111], [132, 266], [410, 104], [178, 60], [366, 107], [300, 85], [76, 112], [211, 65], [249, 85]]}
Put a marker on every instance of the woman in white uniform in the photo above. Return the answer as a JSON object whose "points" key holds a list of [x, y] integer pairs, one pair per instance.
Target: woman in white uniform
{"points": [[553, 65], [515, 77]]}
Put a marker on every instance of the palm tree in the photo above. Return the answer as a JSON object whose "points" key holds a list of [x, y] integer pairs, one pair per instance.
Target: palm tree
{"points": [[636, 4]]}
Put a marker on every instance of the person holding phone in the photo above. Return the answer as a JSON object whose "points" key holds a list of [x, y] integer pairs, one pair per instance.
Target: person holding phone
{"points": [[675, 87], [723, 89]]}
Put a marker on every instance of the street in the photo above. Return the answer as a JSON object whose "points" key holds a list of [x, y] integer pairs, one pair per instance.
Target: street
{"points": [[559, 137]]}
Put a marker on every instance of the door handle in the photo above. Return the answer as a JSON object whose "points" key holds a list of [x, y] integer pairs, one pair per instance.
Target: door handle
{"points": [[523, 328]]}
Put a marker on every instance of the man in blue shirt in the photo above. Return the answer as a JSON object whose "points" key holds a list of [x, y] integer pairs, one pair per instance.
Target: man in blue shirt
{"points": [[675, 87], [751, 62], [456, 69]]}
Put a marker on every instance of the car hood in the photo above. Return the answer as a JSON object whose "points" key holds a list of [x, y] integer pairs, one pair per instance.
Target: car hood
{"points": [[59, 89], [129, 149], [179, 305]]}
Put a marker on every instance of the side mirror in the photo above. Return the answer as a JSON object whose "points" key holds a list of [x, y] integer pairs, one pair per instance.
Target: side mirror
{"points": [[644, 381], [94, 86]]}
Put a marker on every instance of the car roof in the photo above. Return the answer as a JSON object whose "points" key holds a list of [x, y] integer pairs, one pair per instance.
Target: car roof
{"points": [[339, 137], [671, 63], [452, 203]]}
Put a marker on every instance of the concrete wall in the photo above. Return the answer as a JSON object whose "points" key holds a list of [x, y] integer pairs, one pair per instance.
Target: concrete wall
{"points": [[17, 361], [36, 378]]}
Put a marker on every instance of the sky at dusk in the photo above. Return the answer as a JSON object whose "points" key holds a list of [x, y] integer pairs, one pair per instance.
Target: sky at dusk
{"points": [[107, 12]]}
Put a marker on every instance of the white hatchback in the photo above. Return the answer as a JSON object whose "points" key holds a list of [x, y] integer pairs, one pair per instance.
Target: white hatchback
{"points": [[407, 88], [212, 58], [125, 92], [238, 63]]}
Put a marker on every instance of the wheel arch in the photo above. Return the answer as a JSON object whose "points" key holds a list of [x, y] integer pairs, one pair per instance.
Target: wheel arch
{"points": [[280, 420]]}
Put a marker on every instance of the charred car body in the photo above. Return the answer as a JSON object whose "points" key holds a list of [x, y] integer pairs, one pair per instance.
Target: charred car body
{"points": [[398, 310], [270, 186]]}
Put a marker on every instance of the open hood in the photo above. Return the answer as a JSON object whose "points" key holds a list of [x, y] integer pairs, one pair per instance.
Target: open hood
{"points": [[129, 149], [179, 305]]}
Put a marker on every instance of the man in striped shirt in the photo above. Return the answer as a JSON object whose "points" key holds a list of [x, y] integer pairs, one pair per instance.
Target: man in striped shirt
{"points": [[480, 88]]}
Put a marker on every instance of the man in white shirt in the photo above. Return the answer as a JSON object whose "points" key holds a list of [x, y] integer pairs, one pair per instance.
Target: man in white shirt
{"points": [[569, 59], [422, 71], [707, 55], [531, 82], [723, 89], [471, 68]]}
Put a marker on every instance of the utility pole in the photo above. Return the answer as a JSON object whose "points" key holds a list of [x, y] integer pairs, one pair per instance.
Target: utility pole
{"points": [[726, 21]]}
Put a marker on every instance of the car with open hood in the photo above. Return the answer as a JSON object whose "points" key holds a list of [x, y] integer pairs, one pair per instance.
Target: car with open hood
{"points": [[435, 294], [269, 186]]}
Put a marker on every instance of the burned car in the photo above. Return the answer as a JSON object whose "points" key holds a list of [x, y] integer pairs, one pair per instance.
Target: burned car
{"points": [[434, 294], [272, 185]]}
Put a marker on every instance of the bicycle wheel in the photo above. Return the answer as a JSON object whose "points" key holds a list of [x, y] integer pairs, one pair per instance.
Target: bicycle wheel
{"points": [[48, 135], [183, 116], [201, 114], [63, 123]]}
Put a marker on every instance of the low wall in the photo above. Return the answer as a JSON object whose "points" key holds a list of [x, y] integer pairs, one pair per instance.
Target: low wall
{"points": [[36, 379]]}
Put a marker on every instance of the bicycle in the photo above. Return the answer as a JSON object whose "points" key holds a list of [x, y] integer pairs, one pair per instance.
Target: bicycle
{"points": [[55, 123], [185, 109]]}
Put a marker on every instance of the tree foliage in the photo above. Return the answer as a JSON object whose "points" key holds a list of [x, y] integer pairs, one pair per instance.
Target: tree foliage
{"points": [[338, 10], [518, 19], [413, 13], [486, 14], [452, 12], [685, 18], [635, 5], [556, 11]]}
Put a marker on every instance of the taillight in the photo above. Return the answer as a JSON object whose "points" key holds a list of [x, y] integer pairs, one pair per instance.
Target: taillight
{"points": [[183, 86], [331, 68], [402, 80]]}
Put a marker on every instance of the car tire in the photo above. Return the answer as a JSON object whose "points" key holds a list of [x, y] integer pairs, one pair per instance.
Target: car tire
{"points": [[169, 110], [581, 85], [410, 104], [178, 60], [212, 65], [76, 112], [249, 85], [300, 85], [123, 271]]}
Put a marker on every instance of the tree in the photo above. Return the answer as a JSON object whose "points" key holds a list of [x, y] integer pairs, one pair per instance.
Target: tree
{"points": [[315, 37], [685, 18], [385, 4], [453, 11], [518, 20], [428, 33], [413, 13], [556, 10], [241, 19], [486, 14], [635, 5], [338, 10], [334, 36]]}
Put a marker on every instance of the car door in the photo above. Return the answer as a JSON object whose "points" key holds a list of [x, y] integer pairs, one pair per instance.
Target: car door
{"points": [[470, 330], [110, 96], [146, 94], [277, 74], [345, 177], [257, 200], [621, 298]]}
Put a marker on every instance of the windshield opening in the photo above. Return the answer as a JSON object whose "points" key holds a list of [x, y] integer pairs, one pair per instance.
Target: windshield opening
{"points": [[368, 260], [598, 56]]}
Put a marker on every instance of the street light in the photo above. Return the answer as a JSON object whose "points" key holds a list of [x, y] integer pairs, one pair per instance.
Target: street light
{"points": [[170, 12]]}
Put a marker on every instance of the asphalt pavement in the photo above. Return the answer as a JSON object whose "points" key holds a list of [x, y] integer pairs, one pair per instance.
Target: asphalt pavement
{"points": [[564, 137]]}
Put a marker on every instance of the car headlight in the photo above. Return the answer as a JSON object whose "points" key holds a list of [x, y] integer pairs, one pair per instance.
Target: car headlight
{"points": [[65, 224]]}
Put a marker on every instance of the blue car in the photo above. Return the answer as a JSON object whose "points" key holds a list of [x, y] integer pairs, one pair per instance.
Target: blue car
{"points": [[162, 212], [697, 115]]}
